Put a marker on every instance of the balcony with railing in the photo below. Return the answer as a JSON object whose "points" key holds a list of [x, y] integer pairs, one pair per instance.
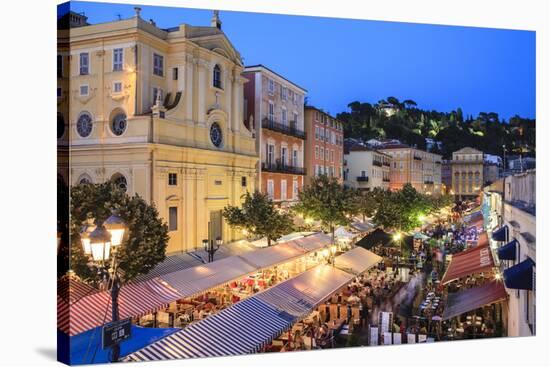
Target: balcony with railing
{"points": [[417, 157], [428, 182], [280, 167], [387, 164], [386, 179], [377, 163], [291, 129], [362, 178]]}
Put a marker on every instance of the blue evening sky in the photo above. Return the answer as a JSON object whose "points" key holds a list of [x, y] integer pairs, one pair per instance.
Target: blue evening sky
{"points": [[343, 60]]}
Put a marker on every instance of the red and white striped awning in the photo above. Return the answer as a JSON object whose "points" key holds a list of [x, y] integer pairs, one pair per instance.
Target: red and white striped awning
{"points": [[135, 299]]}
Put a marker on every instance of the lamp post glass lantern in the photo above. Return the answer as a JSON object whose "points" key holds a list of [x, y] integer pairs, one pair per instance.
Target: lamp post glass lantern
{"points": [[98, 242]]}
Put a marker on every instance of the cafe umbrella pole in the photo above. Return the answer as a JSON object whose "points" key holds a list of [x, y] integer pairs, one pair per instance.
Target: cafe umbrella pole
{"points": [[115, 353]]}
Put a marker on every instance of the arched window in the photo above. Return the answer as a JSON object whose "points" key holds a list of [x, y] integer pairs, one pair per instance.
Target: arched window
{"points": [[120, 181], [217, 77], [84, 179]]}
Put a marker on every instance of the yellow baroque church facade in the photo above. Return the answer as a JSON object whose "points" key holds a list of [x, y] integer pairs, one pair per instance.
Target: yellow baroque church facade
{"points": [[159, 112]]}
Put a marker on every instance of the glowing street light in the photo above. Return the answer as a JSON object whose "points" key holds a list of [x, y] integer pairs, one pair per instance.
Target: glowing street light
{"points": [[397, 236]]}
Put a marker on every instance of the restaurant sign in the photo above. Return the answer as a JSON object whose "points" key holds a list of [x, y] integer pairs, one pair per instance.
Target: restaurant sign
{"points": [[116, 332]]}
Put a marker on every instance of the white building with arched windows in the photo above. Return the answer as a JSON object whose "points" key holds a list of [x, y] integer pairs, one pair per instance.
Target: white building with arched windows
{"points": [[159, 112]]}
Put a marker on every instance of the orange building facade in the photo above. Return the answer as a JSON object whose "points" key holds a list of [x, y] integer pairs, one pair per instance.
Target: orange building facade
{"points": [[274, 110], [324, 152]]}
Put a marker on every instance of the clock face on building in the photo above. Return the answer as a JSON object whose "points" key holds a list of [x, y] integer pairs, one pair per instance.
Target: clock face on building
{"points": [[216, 134], [84, 125]]}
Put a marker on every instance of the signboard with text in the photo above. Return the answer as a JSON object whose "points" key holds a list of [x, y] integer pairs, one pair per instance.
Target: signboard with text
{"points": [[116, 332]]}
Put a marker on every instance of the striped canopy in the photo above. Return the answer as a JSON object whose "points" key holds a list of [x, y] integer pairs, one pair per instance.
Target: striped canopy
{"points": [[357, 260], [135, 299], [240, 329], [250, 324]]}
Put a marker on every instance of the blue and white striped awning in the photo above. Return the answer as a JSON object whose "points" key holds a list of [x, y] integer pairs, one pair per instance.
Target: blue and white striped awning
{"points": [[241, 329]]}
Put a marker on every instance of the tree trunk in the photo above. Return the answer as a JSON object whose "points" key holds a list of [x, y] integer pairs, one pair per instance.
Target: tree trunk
{"points": [[268, 241]]}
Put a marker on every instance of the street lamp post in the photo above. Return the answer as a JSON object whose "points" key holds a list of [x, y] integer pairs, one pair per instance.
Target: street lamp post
{"points": [[211, 248], [99, 242]]}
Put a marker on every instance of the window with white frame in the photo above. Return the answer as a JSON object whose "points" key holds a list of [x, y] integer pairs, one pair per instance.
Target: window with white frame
{"points": [[270, 154], [295, 98], [284, 116], [294, 158], [316, 152], [322, 133], [284, 156], [295, 119], [283, 189], [270, 189], [118, 56], [158, 64], [271, 112], [84, 63], [295, 189], [322, 153], [84, 90], [117, 87], [283, 93], [316, 132], [271, 86]]}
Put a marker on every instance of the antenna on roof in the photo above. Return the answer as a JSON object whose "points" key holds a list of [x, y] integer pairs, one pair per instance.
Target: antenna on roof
{"points": [[118, 16], [137, 9]]}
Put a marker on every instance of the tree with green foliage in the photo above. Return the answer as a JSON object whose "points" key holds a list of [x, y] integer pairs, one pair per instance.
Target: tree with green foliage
{"points": [[259, 217], [143, 247], [401, 210], [327, 201]]}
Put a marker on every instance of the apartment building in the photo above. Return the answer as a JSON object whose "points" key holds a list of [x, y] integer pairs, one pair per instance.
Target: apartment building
{"points": [[366, 168], [324, 152], [274, 110], [467, 168], [411, 165]]}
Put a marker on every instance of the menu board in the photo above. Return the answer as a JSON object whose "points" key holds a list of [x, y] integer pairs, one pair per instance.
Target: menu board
{"points": [[411, 338], [396, 338], [422, 338], [373, 335], [385, 321], [387, 338]]}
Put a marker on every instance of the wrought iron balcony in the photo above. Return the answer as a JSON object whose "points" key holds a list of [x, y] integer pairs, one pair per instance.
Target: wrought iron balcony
{"points": [[418, 158], [428, 182], [385, 179], [279, 167], [387, 164], [362, 178], [377, 163], [291, 129]]}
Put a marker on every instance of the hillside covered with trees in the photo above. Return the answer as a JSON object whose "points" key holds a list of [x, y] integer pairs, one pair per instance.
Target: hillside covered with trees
{"points": [[403, 120]]}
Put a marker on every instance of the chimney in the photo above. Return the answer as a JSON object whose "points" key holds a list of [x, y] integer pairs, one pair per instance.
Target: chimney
{"points": [[137, 9], [215, 21]]}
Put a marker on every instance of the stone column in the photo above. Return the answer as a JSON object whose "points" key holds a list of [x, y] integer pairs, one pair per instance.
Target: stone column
{"points": [[202, 89], [189, 73], [190, 217], [200, 199]]}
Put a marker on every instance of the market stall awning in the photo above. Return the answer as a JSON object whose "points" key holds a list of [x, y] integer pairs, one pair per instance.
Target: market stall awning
{"points": [[273, 255], [252, 323], [342, 233], [474, 298], [135, 299], [500, 234], [313, 242], [508, 251], [483, 239], [363, 226], [70, 289], [86, 348], [474, 260], [520, 276], [299, 296], [199, 279], [357, 260], [240, 329]]}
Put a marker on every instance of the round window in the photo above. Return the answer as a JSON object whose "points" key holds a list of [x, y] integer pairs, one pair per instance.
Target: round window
{"points": [[118, 125], [60, 125], [84, 180], [84, 125], [120, 182], [216, 134]]}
